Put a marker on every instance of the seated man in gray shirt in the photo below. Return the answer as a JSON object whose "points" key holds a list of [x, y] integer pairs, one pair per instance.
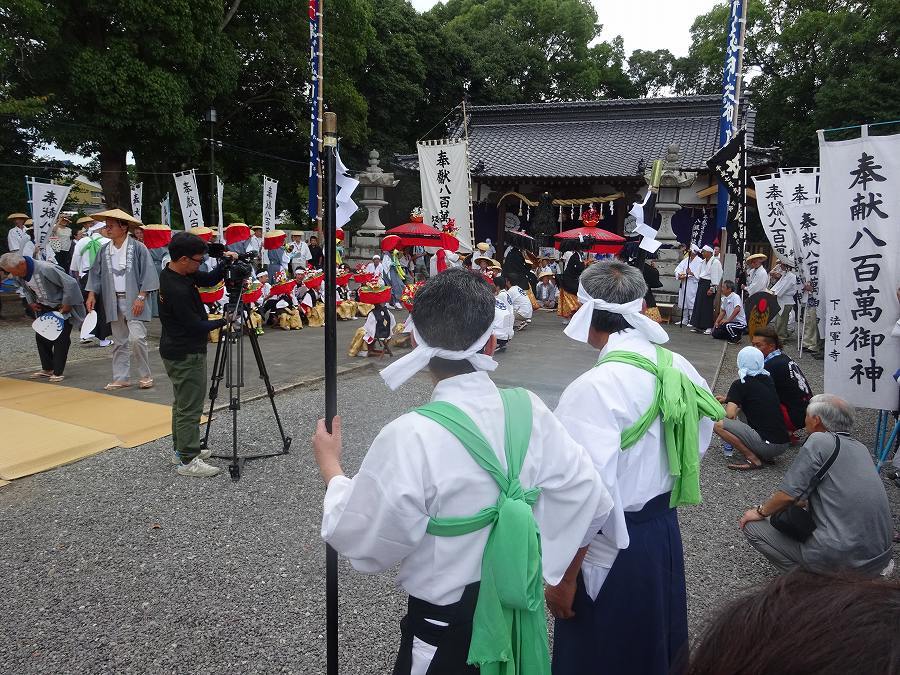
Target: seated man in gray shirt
{"points": [[849, 507]]}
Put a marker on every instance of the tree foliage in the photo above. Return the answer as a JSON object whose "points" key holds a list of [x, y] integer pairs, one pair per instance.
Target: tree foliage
{"points": [[107, 78]]}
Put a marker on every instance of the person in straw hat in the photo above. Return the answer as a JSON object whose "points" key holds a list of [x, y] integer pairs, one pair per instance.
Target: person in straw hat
{"points": [[414, 500], [757, 277], [547, 293], [17, 236], [124, 274]]}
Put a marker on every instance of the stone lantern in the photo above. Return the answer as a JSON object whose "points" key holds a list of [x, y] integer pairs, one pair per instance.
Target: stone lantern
{"points": [[373, 182], [671, 183]]}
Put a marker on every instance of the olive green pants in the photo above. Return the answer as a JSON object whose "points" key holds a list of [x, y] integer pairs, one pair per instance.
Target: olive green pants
{"points": [[189, 387]]}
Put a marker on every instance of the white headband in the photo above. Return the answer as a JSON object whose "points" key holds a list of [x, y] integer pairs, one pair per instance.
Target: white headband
{"points": [[401, 370], [580, 325]]}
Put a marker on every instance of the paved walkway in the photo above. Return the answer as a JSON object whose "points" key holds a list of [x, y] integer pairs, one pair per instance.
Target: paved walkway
{"points": [[296, 357], [291, 358]]}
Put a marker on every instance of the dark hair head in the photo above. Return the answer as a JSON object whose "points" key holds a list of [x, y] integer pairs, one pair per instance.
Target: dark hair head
{"points": [[728, 284], [515, 279], [452, 310], [805, 624], [500, 281], [186, 244], [770, 334]]}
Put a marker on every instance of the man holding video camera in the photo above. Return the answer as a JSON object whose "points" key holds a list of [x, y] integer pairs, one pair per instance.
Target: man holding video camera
{"points": [[182, 346]]}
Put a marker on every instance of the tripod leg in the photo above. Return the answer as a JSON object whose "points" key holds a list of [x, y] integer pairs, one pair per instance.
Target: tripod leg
{"points": [[270, 390], [216, 379]]}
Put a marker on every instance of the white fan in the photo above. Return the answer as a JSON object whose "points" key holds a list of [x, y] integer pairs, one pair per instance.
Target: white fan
{"points": [[89, 324], [49, 325]]}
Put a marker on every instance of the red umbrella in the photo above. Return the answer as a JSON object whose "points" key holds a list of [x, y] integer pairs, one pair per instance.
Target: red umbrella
{"points": [[420, 234], [604, 240]]}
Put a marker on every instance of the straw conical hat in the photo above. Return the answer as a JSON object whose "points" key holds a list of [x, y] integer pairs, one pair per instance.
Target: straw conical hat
{"points": [[16, 216], [118, 214]]}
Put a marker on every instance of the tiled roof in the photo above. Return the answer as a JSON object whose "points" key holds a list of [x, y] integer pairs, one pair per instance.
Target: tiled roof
{"points": [[592, 138]]}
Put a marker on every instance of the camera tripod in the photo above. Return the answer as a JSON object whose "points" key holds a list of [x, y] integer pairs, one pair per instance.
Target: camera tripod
{"points": [[229, 365]]}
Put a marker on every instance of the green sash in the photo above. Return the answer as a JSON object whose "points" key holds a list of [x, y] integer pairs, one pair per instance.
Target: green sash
{"points": [[681, 404], [92, 248], [509, 630]]}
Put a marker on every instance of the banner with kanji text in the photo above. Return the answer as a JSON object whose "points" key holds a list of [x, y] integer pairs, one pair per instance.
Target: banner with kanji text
{"points": [[445, 179], [860, 231], [186, 185]]}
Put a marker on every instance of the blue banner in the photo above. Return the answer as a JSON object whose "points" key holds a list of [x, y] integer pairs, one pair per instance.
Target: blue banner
{"points": [[729, 100], [315, 84]]}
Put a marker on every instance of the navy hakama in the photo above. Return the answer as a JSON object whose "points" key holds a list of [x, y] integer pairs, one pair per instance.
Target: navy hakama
{"points": [[638, 623]]}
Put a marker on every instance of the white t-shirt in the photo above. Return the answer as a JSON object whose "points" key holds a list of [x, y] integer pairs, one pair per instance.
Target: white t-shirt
{"points": [[729, 303], [119, 257]]}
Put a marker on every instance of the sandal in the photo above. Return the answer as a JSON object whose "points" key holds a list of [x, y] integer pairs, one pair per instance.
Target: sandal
{"points": [[146, 384], [57, 378], [112, 386], [746, 466], [39, 374]]}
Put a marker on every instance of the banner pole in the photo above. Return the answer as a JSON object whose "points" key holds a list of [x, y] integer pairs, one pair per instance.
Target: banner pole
{"points": [[329, 161]]}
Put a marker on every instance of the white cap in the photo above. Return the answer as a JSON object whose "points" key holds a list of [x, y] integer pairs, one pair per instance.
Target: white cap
{"points": [[708, 249]]}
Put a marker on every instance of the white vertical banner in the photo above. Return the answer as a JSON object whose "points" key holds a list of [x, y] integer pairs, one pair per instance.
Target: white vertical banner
{"points": [[773, 193], [804, 221], [165, 211], [47, 201], [444, 174], [220, 194], [860, 228], [137, 195], [186, 185], [270, 192]]}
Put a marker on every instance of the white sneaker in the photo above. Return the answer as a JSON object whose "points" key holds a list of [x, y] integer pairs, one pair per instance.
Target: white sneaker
{"points": [[105, 343], [206, 453], [708, 331], [363, 354], [197, 468]]}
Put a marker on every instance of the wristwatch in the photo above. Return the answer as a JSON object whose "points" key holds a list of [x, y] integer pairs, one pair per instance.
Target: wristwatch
{"points": [[141, 297], [759, 510]]}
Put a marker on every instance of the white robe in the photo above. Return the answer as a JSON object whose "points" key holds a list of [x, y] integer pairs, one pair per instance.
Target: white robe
{"points": [[757, 280], [785, 288], [370, 325], [416, 469], [689, 285], [711, 269], [595, 409], [16, 238]]}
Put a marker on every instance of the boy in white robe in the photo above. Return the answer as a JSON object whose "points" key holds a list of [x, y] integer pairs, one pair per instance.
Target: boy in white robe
{"points": [[622, 606], [417, 473]]}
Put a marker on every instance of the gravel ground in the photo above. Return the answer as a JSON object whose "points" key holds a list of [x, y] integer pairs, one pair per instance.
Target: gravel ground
{"points": [[115, 564]]}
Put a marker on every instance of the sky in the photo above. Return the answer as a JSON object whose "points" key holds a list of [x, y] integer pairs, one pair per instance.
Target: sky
{"points": [[643, 24]]}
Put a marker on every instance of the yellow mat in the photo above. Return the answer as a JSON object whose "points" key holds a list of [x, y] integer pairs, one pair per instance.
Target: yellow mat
{"points": [[32, 443], [132, 422]]}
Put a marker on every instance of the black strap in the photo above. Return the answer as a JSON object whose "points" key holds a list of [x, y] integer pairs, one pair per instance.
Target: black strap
{"points": [[820, 474]]}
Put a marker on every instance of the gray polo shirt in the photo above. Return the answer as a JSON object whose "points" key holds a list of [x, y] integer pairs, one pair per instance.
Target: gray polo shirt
{"points": [[850, 507]]}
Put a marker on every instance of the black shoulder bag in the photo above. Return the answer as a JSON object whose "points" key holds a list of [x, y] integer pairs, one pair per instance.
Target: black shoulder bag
{"points": [[795, 521]]}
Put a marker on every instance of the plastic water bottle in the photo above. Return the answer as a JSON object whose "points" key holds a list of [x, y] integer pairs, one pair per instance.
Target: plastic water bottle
{"points": [[728, 448]]}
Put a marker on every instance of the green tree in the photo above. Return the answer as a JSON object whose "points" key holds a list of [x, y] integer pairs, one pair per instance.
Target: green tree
{"points": [[808, 67], [119, 76], [651, 71]]}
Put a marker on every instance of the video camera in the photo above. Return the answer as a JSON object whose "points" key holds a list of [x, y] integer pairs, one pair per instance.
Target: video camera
{"points": [[236, 271]]}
